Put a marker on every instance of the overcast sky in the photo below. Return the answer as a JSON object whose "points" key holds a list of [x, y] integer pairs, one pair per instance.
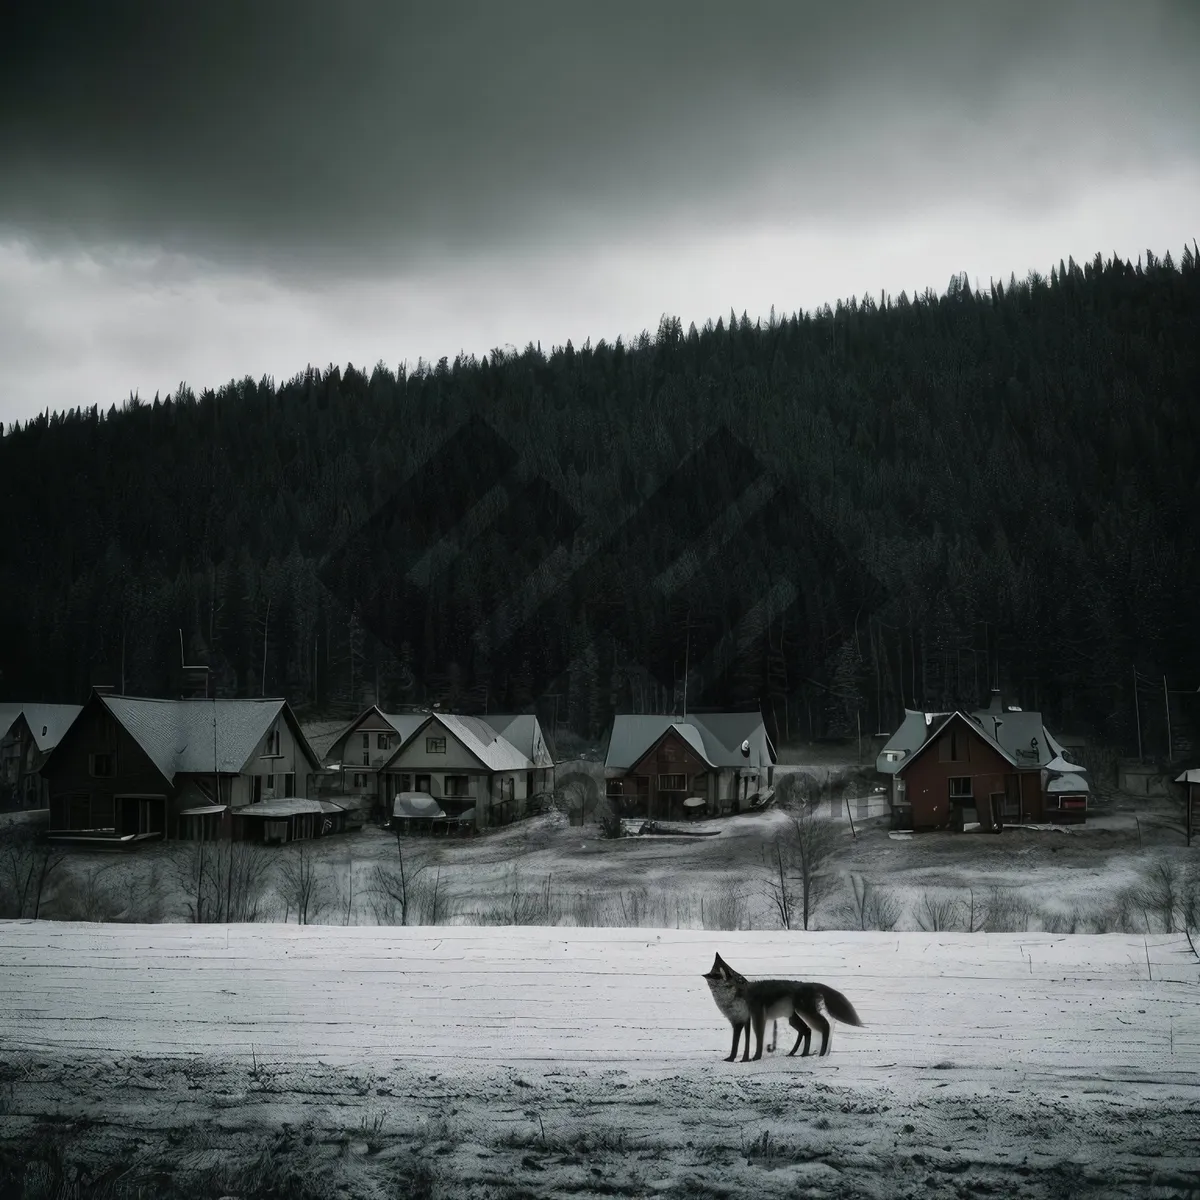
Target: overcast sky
{"points": [[197, 191]]}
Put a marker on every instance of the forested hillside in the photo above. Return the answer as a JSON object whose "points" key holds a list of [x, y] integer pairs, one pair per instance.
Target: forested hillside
{"points": [[958, 488]]}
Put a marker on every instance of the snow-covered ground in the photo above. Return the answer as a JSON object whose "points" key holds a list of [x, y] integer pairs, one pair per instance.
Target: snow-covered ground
{"points": [[554, 1061]]}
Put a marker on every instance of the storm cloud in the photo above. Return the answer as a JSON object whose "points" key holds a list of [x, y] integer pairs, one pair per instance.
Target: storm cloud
{"points": [[350, 135], [199, 190]]}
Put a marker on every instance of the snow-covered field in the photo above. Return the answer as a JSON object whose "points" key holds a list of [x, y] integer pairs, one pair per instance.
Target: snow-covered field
{"points": [[461, 1061]]}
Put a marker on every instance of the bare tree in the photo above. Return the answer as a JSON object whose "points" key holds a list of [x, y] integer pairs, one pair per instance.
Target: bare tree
{"points": [[812, 841], [302, 885], [936, 915], [393, 890], [27, 862], [1161, 892], [870, 907], [222, 881], [779, 889]]}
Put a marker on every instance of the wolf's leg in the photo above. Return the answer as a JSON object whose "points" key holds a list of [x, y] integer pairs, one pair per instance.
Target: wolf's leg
{"points": [[814, 1019], [760, 1034], [803, 1034], [774, 1037], [737, 1035]]}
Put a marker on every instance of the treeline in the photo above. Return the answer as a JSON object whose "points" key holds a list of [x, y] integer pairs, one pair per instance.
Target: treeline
{"points": [[936, 493]]}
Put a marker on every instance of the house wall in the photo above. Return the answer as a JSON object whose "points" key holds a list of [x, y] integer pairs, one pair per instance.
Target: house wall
{"points": [[348, 749], [671, 755], [927, 779], [290, 760], [74, 791], [21, 785]]}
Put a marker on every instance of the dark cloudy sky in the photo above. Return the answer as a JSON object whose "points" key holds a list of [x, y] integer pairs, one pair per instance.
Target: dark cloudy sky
{"points": [[199, 190]]}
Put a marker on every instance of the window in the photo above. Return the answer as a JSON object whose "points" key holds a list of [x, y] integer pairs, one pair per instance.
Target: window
{"points": [[422, 784], [770, 776], [953, 747], [273, 743], [270, 784], [406, 783], [699, 785], [366, 741], [360, 781], [457, 786], [289, 784], [256, 794], [435, 745], [613, 788], [366, 758], [672, 783], [103, 766], [275, 831], [960, 789], [381, 742]]}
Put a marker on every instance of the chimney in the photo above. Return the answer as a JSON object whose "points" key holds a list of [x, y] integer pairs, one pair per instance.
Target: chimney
{"points": [[997, 704]]}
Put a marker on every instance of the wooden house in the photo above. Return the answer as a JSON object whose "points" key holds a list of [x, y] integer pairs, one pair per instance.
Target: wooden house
{"points": [[464, 765], [998, 765], [355, 760], [130, 769], [666, 767], [28, 733]]}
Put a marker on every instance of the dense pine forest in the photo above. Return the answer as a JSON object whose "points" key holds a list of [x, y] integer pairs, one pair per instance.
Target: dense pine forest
{"points": [[929, 495]]}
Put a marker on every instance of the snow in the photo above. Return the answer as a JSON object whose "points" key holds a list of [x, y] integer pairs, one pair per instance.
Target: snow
{"points": [[572, 1059], [612, 997]]}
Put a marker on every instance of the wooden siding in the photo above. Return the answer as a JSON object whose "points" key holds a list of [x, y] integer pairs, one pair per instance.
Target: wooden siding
{"points": [[927, 779], [80, 800]]}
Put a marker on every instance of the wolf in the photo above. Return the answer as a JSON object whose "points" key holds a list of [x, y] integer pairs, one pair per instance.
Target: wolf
{"points": [[749, 1003]]}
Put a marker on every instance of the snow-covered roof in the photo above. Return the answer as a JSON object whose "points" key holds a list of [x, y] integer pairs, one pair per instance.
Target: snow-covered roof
{"points": [[476, 735], [47, 722], [1058, 763], [179, 736], [525, 732], [289, 806], [716, 737], [1190, 776], [202, 810], [910, 737], [1069, 782]]}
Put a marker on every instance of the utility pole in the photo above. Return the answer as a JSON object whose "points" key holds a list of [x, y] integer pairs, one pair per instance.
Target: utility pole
{"points": [[1167, 704], [266, 627], [1137, 712]]}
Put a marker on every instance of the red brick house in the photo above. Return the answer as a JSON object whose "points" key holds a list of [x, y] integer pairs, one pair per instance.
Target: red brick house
{"points": [[998, 765]]}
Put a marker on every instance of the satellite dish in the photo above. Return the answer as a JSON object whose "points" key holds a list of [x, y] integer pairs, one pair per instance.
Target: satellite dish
{"points": [[746, 748]]}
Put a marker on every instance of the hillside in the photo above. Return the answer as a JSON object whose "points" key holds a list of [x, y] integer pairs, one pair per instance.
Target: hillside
{"points": [[921, 495]]}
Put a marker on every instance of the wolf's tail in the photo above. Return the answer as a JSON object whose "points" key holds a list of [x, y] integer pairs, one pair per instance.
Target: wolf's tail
{"points": [[837, 1006]]}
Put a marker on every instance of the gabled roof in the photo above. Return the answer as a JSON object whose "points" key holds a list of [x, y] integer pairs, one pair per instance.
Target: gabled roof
{"points": [[198, 737], [525, 732], [716, 737], [47, 722], [936, 730], [1017, 732], [495, 752], [1013, 732], [477, 737], [405, 724]]}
